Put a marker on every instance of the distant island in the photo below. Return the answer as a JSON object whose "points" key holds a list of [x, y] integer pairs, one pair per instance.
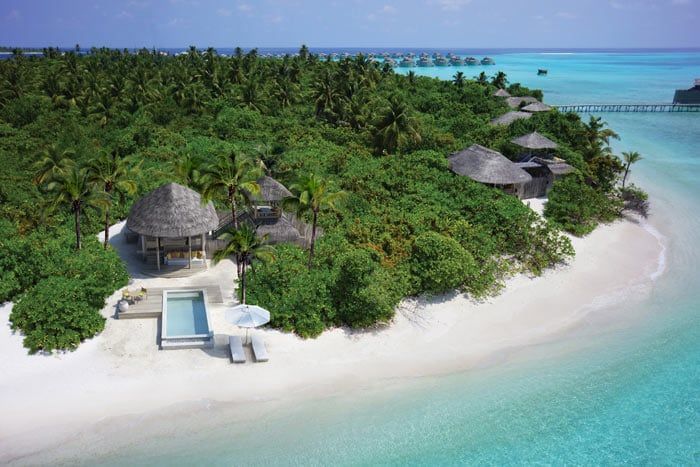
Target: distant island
{"points": [[359, 151]]}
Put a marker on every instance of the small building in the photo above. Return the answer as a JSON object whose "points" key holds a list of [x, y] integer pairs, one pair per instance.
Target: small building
{"points": [[537, 107], [516, 101], [534, 142], [688, 96], [490, 168], [509, 117], [544, 172], [501, 93], [172, 225]]}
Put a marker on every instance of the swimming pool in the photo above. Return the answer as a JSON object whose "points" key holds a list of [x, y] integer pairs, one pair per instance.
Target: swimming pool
{"points": [[186, 322]]}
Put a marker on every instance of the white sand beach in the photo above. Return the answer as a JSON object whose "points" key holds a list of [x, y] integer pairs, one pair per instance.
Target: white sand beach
{"points": [[47, 399]]}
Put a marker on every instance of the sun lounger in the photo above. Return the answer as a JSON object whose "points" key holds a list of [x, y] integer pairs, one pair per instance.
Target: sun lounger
{"points": [[236, 346], [259, 349]]}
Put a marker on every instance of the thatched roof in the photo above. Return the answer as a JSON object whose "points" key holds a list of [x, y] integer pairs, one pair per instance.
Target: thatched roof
{"points": [[537, 107], [510, 117], [534, 141], [282, 231], [501, 93], [271, 190], [561, 168], [515, 102], [487, 166], [172, 211]]}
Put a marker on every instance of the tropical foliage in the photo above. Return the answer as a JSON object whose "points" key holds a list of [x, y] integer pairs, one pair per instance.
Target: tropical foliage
{"points": [[72, 126]]}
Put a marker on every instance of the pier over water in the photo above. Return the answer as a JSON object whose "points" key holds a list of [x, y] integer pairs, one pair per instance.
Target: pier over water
{"points": [[628, 107]]}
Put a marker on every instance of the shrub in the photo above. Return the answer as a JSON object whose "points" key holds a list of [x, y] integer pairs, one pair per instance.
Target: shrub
{"points": [[574, 205], [57, 314], [439, 263]]}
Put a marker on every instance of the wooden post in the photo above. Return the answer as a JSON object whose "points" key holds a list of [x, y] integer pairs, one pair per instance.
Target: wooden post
{"points": [[158, 252], [204, 250], [143, 246], [189, 257]]}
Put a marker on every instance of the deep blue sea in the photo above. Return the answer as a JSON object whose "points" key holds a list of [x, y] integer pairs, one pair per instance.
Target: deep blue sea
{"points": [[623, 393]]}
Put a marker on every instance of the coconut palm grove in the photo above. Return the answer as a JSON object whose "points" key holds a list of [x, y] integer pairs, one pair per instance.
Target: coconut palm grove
{"points": [[362, 148]]}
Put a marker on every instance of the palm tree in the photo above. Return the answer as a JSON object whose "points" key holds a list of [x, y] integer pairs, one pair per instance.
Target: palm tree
{"points": [[246, 247], [395, 127], [114, 175], [187, 169], [482, 78], [629, 158], [312, 194], [598, 137], [411, 77], [458, 79], [50, 161], [71, 187], [231, 174], [499, 80]]}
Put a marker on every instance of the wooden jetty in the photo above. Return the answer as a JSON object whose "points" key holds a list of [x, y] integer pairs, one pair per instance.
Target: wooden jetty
{"points": [[628, 108]]}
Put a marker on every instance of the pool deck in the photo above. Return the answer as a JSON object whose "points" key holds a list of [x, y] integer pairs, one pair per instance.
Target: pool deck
{"points": [[152, 306]]}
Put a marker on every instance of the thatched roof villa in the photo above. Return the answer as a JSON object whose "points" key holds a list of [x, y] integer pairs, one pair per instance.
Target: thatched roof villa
{"points": [[544, 172], [172, 223], [517, 101], [534, 141], [501, 93], [537, 107], [489, 167], [509, 117]]}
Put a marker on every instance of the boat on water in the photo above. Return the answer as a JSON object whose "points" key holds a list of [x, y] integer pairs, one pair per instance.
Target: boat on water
{"points": [[688, 96], [441, 61], [425, 62], [471, 61], [407, 62], [487, 61], [541, 72]]}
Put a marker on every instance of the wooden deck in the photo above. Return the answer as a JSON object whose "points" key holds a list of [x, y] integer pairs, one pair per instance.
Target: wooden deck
{"points": [[171, 271], [628, 108], [152, 307]]}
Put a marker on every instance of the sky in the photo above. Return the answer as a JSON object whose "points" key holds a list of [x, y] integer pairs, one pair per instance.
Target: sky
{"points": [[352, 23]]}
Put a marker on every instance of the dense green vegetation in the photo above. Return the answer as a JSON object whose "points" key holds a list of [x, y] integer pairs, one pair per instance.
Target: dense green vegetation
{"points": [[362, 148]]}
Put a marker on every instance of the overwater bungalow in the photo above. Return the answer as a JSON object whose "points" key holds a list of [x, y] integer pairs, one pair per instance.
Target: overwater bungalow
{"points": [[407, 62], [516, 101], [456, 61], [441, 61], [490, 168], [391, 62], [471, 61], [425, 62], [171, 225], [501, 93], [537, 107], [488, 61], [509, 117]]}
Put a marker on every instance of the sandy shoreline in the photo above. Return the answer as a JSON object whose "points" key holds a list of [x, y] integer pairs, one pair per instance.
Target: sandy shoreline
{"points": [[47, 399]]}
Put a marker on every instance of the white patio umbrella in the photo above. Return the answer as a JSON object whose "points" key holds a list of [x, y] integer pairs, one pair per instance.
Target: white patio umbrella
{"points": [[247, 316]]}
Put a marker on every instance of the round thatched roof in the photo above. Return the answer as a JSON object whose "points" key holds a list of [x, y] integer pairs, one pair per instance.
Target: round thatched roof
{"points": [[534, 141], [537, 107], [487, 166], [271, 190], [510, 117], [515, 102], [172, 211], [501, 93]]}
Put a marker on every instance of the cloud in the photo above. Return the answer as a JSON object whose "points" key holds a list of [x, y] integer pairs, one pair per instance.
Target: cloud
{"points": [[274, 19], [138, 3], [566, 15], [244, 7], [223, 12], [124, 15], [449, 5], [383, 11]]}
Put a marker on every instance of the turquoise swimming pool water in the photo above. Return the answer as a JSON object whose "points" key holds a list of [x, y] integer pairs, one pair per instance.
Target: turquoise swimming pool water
{"points": [[186, 314]]}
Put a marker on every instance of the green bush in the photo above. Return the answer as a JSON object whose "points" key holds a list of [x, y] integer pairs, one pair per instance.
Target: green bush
{"points": [[57, 314], [440, 264]]}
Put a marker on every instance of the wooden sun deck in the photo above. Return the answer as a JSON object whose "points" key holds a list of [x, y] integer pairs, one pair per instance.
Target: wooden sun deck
{"points": [[171, 271], [152, 307]]}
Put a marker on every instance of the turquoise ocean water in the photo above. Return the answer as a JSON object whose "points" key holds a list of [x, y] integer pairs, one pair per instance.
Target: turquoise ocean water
{"points": [[616, 391]]}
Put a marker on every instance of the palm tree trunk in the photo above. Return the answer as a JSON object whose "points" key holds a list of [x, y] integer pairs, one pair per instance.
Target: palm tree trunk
{"points": [[77, 228], [313, 239], [624, 177], [243, 284], [106, 228]]}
